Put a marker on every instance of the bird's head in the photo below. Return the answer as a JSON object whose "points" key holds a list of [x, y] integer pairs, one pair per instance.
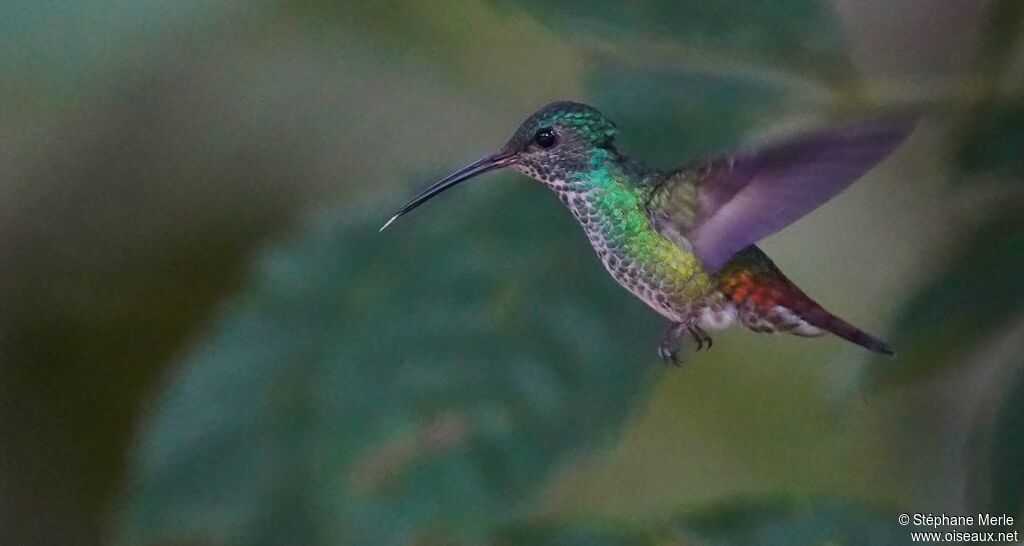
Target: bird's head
{"points": [[558, 140]]}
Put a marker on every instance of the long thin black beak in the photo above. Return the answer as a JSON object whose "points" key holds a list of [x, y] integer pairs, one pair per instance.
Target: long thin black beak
{"points": [[494, 161]]}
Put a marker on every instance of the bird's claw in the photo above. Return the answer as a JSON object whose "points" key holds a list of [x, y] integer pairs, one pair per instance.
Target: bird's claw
{"points": [[669, 355], [701, 337], [670, 344]]}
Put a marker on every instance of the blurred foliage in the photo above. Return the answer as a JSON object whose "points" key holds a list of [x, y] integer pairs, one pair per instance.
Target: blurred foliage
{"points": [[572, 534], [994, 143], [422, 386], [436, 383], [797, 34], [766, 522], [815, 522], [1002, 33], [973, 297], [978, 289], [303, 413], [723, 104], [1006, 473]]}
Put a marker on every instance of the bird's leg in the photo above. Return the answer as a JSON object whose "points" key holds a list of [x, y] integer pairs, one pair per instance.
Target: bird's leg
{"points": [[701, 337], [670, 345], [695, 334]]}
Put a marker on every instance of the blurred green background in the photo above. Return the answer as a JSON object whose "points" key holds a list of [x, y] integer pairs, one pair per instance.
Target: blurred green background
{"points": [[204, 341]]}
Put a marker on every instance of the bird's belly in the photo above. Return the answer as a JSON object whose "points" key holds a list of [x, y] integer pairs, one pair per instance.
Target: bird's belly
{"points": [[658, 271], [665, 277]]}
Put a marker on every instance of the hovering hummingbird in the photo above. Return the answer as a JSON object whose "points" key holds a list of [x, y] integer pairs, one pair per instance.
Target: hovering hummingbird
{"points": [[683, 240]]}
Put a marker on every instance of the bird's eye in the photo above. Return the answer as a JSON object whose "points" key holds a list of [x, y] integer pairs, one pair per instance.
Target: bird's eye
{"points": [[545, 137]]}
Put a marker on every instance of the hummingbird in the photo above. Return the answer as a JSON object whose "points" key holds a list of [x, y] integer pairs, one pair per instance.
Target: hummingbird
{"points": [[684, 240]]}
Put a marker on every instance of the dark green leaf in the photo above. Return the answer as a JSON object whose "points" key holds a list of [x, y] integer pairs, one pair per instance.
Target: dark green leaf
{"points": [[999, 39], [684, 114], [977, 289], [807, 523], [418, 384], [764, 522], [396, 26], [1007, 471], [94, 38], [572, 534], [798, 34], [994, 142]]}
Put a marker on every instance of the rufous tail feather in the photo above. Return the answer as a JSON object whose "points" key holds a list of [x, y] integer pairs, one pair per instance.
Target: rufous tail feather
{"points": [[767, 301]]}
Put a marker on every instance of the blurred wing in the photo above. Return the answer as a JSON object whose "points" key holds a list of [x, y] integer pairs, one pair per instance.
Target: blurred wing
{"points": [[723, 205]]}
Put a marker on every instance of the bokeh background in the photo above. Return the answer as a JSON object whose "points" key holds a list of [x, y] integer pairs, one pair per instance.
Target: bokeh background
{"points": [[204, 341]]}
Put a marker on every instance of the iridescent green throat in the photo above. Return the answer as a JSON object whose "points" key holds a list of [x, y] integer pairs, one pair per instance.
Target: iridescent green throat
{"points": [[609, 200]]}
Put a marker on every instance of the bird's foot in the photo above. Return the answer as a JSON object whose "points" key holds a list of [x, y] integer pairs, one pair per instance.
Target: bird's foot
{"points": [[701, 337], [669, 355], [671, 342]]}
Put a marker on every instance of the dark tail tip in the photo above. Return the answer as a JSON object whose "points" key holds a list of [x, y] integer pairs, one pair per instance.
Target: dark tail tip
{"points": [[851, 333], [874, 344], [860, 337]]}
